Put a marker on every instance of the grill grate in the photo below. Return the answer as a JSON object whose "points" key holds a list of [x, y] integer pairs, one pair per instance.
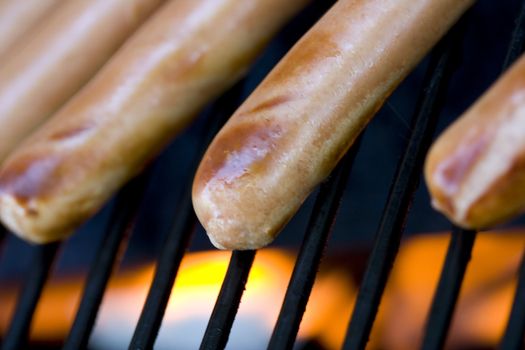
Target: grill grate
{"points": [[177, 241], [444, 60], [123, 216], [3, 233], [17, 334], [221, 320], [513, 337], [458, 256], [303, 276]]}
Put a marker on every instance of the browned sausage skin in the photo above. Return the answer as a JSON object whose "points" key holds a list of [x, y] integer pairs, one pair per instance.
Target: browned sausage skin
{"points": [[291, 132], [184, 56], [60, 55], [475, 171]]}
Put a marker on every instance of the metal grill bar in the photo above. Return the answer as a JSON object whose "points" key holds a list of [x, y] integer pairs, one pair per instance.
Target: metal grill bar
{"points": [[318, 230], [223, 315], [167, 267], [178, 239], [123, 218], [3, 234], [18, 332], [444, 302], [388, 236], [514, 337]]}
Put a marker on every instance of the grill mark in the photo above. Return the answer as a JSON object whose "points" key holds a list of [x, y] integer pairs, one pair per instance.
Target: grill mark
{"points": [[269, 104], [244, 149], [29, 177], [453, 171], [67, 133], [31, 212], [311, 52]]}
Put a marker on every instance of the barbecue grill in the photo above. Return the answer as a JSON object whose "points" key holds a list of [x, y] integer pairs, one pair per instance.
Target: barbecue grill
{"points": [[440, 67]]}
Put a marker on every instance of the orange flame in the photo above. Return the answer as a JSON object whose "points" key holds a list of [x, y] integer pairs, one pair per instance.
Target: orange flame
{"points": [[480, 316], [485, 298], [193, 297]]}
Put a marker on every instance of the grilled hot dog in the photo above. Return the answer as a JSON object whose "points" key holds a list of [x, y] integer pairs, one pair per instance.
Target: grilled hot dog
{"points": [[184, 56], [18, 17], [61, 55], [475, 171], [290, 133]]}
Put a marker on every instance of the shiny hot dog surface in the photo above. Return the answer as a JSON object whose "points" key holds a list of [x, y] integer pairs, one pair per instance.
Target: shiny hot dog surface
{"points": [[475, 171], [18, 17], [294, 128], [185, 55], [61, 54]]}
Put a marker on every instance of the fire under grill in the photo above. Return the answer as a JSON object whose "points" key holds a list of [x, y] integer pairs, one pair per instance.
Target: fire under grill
{"points": [[443, 60]]}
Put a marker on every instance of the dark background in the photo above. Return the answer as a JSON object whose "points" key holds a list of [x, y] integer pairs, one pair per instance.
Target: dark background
{"points": [[488, 34]]}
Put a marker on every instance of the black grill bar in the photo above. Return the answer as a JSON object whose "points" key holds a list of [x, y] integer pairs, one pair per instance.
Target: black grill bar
{"points": [[388, 237], [317, 233], [223, 315], [166, 270], [18, 332], [444, 302], [514, 336], [3, 234], [123, 218], [177, 240]]}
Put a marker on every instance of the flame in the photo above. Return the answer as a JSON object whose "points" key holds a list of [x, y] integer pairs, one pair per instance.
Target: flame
{"points": [[192, 298], [485, 298], [480, 317]]}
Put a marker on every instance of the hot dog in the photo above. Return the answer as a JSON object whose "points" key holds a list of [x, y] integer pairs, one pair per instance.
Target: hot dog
{"points": [[295, 127], [18, 17], [61, 55], [475, 171], [184, 56]]}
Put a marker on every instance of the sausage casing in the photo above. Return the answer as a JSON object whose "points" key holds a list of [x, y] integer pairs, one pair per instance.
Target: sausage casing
{"points": [[17, 18], [291, 132], [475, 171], [185, 55], [61, 55]]}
